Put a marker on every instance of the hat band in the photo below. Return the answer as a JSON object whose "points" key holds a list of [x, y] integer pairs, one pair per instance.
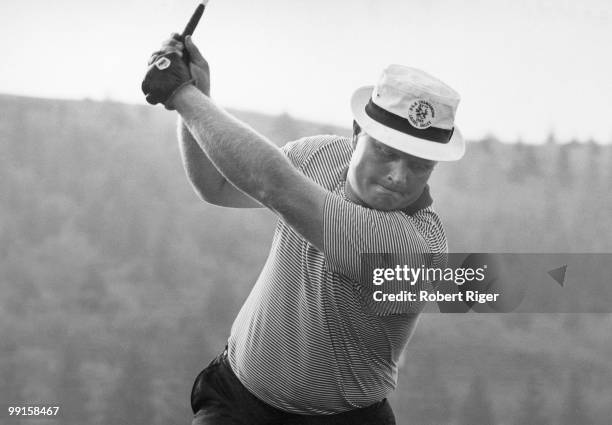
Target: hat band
{"points": [[389, 119]]}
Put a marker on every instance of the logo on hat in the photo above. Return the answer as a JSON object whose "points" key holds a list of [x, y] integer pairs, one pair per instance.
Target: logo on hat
{"points": [[421, 114]]}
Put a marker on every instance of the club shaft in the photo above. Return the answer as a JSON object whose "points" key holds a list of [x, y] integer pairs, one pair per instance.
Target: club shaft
{"points": [[195, 19]]}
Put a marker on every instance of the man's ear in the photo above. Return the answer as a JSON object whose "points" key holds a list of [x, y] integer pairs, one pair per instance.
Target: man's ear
{"points": [[356, 133]]}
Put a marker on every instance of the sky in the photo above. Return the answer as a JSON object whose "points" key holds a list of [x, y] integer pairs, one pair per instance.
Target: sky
{"points": [[524, 68]]}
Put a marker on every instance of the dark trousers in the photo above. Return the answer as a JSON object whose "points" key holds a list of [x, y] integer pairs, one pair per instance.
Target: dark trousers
{"points": [[218, 397]]}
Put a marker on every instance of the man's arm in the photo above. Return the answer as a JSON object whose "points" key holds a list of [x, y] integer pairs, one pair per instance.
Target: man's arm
{"points": [[204, 176], [207, 181], [253, 164]]}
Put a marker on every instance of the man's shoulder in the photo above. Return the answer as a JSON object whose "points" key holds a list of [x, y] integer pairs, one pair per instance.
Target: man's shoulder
{"points": [[320, 140], [302, 151], [429, 224]]}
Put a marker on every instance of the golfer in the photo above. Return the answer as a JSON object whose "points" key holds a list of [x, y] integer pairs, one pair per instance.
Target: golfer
{"points": [[310, 344]]}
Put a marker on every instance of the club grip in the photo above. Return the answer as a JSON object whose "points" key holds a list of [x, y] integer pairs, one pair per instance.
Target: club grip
{"points": [[190, 28], [193, 22]]}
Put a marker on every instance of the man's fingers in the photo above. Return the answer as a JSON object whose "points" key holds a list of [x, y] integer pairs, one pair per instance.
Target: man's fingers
{"points": [[159, 53], [194, 52], [151, 99], [155, 55], [171, 45], [174, 43]]}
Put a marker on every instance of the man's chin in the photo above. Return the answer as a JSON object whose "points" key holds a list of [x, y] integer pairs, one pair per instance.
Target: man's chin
{"points": [[385, 203], [382, 200], [386, 200]]}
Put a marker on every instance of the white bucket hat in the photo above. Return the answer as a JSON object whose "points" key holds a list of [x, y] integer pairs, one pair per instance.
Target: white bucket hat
{"points": [[411, 111]]}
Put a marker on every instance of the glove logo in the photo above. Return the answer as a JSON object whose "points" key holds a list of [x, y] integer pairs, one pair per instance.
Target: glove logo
{"points": [[421, 114], [162, 63]]}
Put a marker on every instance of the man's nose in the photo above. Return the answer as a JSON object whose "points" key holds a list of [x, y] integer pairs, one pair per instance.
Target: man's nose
{"points": [[399, 174]]}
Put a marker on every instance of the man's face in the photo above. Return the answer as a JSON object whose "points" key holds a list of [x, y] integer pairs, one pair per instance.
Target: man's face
{"points": [[384, 178]]}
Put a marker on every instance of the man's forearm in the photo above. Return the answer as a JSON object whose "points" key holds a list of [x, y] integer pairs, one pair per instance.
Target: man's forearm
{"points": [[245, 158], [204, 176]]}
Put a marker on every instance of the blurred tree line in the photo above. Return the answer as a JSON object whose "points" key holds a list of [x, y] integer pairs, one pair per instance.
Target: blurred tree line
{"points": [[119, 285]]}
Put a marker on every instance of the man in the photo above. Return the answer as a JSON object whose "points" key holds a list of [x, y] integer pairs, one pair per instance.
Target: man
{"points": [[311, 345]]}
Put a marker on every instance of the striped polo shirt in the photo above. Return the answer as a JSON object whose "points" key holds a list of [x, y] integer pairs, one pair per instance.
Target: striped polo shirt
{"points": [[309, 338]]}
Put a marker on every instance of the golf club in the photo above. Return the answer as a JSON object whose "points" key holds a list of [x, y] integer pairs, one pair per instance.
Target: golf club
{"points": [[191, 26]]}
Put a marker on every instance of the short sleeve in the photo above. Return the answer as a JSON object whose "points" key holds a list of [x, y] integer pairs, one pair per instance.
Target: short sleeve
{"points": [[291, 151], [301, 150], [357, 240]]}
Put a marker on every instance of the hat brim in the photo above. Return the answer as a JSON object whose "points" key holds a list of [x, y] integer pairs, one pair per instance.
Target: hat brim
{"points": [[451, 151]]}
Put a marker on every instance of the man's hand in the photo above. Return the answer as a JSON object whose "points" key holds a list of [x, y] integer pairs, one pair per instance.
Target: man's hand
{"points": [[167, 74], [198, 66]]}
